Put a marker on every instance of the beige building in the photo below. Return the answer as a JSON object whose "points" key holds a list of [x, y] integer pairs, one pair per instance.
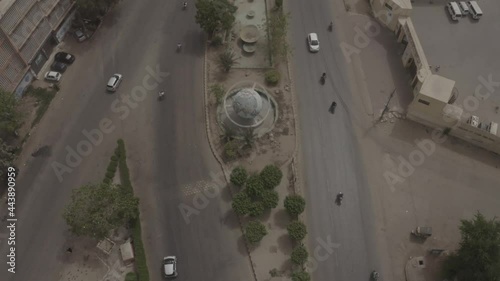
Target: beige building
{"points": [[433, 95], [29, 30]]}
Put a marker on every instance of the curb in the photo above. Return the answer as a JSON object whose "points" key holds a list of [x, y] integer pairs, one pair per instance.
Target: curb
{"points": [[214, 152]]}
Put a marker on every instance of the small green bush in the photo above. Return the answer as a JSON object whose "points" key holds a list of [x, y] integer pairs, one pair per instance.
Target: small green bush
{"points": [[301, 276], [231, 150], [254, 187], [107, 181], [241, 203], [109, 175], [294, 205], [254, 232], [272, 77], [299, 255], [256, 209], [131, 276], [270, 199], [271, 176], [239, 176], [114, 158], [297, 230], [218, 91]]}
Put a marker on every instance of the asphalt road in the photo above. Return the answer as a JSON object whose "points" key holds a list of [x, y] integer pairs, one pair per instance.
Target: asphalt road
{"points": [[329, 153], [167, 149]]}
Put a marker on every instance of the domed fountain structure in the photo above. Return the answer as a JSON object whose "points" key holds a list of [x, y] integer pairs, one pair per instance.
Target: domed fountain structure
{"points": [[247, 105]]}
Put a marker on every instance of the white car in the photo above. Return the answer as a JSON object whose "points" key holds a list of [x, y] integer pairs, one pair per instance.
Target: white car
{"points": [[80, 36], [170, 267], [114, 82], [53, 76], [313, 42]]}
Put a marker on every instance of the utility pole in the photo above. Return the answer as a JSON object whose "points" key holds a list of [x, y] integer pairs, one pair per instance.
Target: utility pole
{"points": [[386, 107]]}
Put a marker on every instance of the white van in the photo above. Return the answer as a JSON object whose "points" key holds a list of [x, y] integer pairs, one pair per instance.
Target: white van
{"points": [[464, 8], [454, 10], [475, 11]]}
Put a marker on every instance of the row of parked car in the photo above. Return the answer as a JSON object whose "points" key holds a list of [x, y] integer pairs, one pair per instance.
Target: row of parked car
{"points": [[60, 64], [463, 9]]}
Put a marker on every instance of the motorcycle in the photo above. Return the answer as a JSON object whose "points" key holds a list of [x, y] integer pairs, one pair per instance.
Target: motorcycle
{"points": [[161, 95], [184, 6], [374, 276], [330, 27], [323, 78], [340, 196]]}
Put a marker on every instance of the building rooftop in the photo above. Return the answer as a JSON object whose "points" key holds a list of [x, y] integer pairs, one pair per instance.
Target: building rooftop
{"points": [[438, 87], [465, 51], [4, 6]]}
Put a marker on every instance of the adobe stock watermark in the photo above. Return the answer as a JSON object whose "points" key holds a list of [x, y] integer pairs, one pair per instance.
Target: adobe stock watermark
{"points": [[122, 106], [363, 35], [202, 197], [321, 252], [427, 147]]}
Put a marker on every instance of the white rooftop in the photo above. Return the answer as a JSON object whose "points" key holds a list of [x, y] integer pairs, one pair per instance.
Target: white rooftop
{"points": [[438, 87]]}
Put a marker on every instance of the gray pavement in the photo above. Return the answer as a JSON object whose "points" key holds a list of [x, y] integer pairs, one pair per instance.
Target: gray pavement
{"points": [[330, 153], [165, 141]]}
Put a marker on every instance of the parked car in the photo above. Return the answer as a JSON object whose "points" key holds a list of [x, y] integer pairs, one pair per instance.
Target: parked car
{"points": [[80, 36], [58, 66], [170, 267], [53, 76], [114, 82], [64, 57], [313, 42]]}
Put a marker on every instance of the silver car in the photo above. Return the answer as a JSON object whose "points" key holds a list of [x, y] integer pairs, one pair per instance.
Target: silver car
{"points": [[170, 267], [114, 82], [313, 42], [53, 76]]}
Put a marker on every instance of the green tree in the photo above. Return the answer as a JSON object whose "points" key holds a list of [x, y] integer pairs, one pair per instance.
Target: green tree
{"points": [[301, 276], [231, 150], [226, 60], [214, 15], [294, 205], [478, 257], [299, 255], [270, 199], [9, 116], [239, 176], [297, 230], [272, 77], [218, 91], [271, 176], [241, 203], [256, 209], [95, 209], [254, 232], [277, 27], [6, 158], [254, 187]]}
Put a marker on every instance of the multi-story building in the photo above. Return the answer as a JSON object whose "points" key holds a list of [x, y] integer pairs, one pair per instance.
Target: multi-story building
{"points": [[29, 30]]}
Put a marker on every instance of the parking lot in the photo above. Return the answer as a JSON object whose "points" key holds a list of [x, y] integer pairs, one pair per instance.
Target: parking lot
{"points": [[464, 51]]}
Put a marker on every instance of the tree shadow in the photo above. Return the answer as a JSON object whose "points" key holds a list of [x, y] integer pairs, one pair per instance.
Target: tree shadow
{"points": [[231, 220], [285, 244], [281, 218]]}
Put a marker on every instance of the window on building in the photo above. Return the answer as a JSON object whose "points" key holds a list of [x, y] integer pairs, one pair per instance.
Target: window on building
{"points": [[423, 101]]}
